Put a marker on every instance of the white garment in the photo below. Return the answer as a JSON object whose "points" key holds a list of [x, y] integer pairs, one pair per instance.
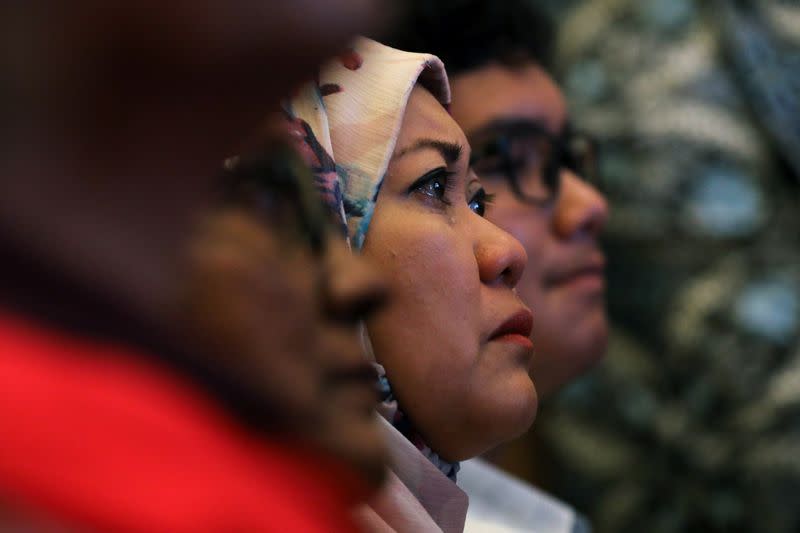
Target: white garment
{"points": [[417, 497], [501, 503]]}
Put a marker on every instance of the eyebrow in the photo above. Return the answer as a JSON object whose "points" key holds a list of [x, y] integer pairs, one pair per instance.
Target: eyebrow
{"points": [[451, 151], [506, 125]]}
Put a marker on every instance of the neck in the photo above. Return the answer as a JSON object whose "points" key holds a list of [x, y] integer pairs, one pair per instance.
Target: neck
{"points": [[391, 411]]}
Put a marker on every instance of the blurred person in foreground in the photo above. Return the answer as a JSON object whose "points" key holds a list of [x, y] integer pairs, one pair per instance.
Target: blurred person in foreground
{"points": [[540, 171], [143, 358]]}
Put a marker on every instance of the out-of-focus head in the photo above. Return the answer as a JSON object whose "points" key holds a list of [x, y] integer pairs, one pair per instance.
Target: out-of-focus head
{"points": [[276, 299], [516, 119], [191, 74], [115, 119], [453, 338]]}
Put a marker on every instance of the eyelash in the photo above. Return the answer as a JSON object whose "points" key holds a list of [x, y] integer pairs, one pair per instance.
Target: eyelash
{"points": [[442, 175], [481, 198], [485, 200]]}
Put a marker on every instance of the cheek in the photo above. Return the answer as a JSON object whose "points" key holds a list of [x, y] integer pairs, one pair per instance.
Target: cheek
{"points": [[430, 329], [272, 344], [289, 332], [528, 224]]}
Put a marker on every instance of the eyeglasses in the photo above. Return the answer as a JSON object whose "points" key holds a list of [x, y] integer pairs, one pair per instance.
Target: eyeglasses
{"points": [[279, 187], [531, 158]]}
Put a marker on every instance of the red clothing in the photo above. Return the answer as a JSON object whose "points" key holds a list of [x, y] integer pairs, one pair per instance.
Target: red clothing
{"points": [[96, 437]]}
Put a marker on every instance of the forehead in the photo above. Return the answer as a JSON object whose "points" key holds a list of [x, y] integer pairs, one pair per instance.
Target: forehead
{"points": [[497, 92], [426, 117]]}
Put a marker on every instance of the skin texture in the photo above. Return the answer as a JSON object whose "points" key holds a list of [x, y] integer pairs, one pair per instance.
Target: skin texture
{"points": [[451, 274], [570, 330], [302, 356]]}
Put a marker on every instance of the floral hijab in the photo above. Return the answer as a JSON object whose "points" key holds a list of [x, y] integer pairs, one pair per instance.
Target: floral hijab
{"points": [[353, 116], [347, 126]]}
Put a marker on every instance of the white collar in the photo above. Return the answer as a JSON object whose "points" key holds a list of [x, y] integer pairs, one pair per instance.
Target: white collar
{"points": [[444, 501]]}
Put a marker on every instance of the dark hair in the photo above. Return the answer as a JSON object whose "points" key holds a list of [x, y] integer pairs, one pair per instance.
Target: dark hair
{"points": [[467, 34]]}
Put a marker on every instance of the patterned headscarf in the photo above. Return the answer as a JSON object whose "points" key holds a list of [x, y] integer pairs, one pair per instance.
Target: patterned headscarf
{"points": [[354, 113], [347, 125]]}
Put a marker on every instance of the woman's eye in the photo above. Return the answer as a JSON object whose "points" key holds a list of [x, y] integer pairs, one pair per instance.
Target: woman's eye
{"points": [[434, 184], [479, 201]]}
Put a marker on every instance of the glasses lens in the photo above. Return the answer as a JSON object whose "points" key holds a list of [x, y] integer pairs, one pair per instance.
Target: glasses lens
{"points": [[277, 186], [582, 157], [537, 172], [525, 160]]}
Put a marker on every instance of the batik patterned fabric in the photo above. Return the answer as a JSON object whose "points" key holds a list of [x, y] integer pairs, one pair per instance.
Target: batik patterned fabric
{"points": [[352, 115], [691, 422]]}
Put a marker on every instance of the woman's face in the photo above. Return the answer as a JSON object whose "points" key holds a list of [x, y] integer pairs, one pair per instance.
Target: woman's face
{"points": [[454, 337]]}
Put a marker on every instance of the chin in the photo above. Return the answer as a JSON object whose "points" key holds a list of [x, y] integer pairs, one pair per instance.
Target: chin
{"points": [[507, 414], [358, 441], [588, 346], [564, 357], [371, 464], [519, 412]]}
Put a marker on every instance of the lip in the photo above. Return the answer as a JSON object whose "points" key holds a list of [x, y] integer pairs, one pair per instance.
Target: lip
{"points": [[590, 273], [517, 329]]}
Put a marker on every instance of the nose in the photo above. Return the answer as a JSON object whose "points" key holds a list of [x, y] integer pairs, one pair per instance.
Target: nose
{"points": [[352, 289], [501, 258], [580, 210]]}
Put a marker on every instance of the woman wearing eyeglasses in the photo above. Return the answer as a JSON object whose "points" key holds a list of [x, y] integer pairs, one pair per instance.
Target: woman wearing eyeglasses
{"points": [[453, 342]]}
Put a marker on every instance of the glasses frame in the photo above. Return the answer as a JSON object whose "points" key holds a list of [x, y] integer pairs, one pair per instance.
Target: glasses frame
{"points": [[280, 173], [499, 138]]}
